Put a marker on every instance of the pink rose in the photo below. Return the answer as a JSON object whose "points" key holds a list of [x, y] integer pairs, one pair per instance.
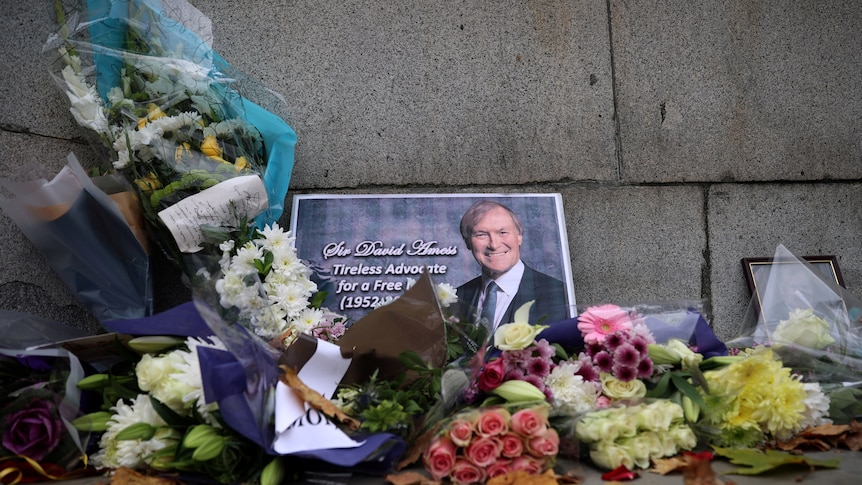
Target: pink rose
{"points": [[439, 458], [545, 444], [493, 422], [461, 432], [512, 445], [483, 451], [492, 375], [499, 468], [527, 463], [530, 422], [466, 472]]}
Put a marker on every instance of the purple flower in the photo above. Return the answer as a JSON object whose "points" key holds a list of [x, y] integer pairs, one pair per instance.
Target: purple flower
{"points": [[34, 431], [539, 367], [641, 345], [627, 355], [614, 340], [544, 349], [536, 381], [588, 372], [593, 349], [514, 375], [603, 361], [625, 373], [645, 368]]}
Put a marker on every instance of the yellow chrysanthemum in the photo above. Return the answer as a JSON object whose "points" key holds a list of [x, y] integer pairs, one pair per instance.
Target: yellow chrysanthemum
{"points": [[758, 392]]}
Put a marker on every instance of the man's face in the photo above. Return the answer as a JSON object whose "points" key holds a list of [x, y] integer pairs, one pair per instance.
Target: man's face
{"points": [[496, 242]]}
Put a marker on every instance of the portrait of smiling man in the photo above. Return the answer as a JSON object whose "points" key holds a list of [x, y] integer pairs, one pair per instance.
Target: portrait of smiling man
{"points": [[494, 234]]}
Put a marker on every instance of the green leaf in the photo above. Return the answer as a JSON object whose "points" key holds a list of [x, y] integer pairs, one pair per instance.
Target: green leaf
{"points": [[759, 461], [411, 360], [171, 417], [689, 390], [661, 387]]}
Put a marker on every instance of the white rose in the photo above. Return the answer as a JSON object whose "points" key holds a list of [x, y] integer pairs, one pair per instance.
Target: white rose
{"points": [[617, 389], [516, 336]]}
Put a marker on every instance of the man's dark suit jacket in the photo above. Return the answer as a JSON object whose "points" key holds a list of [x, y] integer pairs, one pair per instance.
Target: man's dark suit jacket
{"points": [[549, 294]]}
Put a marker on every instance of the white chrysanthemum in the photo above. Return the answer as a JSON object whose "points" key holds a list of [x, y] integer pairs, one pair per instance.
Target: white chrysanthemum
{"points": [[447, 294], [243, 261], [129, 453], [188, 373], [276, 240], [816, 406], [572, 395], [291, 298], [308, 319]]}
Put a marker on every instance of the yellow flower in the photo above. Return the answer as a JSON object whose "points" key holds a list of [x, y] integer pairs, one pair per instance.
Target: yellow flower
{"points": [[210, 147], [241, 163], [182, 152], [758, 392], [148, 183], [153, 113]]}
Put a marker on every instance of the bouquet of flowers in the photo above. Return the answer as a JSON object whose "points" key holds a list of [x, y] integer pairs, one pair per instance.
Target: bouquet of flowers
{"points": [[37, 439], [201, 156], [480, 444], [812, 326], [633, 434]]}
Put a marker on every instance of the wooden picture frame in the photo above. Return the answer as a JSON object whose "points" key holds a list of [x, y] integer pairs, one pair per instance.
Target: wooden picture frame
{"points": [[756, 271]]}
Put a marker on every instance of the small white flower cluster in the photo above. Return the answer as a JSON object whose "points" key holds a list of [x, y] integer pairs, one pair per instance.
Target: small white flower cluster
{"points": [[277, 303], [572, 394]]}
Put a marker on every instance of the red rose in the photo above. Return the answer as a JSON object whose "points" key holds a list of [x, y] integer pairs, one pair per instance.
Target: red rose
{"points": [[492, 375], [439, 458], [461, 432], [484, 451], [530, 422], [545, 444], [499, 468], [493, 422], [528, 464], [33, 432], [466, 472], [512, 445]]}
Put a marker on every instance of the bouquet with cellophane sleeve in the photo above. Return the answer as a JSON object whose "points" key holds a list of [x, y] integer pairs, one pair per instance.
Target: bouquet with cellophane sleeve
{"points": [[813, 326], [178, 122]]}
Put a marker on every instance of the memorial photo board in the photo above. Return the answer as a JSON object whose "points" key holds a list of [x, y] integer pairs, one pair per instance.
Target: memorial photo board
{"points": [[367, 248]]}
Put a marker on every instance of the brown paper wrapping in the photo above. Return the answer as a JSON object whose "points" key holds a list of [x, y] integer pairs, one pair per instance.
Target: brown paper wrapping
{"points": [[130, 206], [414, 322]]}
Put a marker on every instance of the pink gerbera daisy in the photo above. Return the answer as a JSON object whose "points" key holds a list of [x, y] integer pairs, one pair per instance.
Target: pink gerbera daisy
{"points": [[599, 321]]}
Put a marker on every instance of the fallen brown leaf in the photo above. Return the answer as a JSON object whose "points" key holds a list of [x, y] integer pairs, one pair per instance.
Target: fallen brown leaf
{"points": [[410, 478], [127, 476], [315, 399], [521, 477], [663, 466]]}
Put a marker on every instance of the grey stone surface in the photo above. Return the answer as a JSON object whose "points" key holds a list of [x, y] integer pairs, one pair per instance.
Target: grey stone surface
{"points": [[636, 244], [732, 90], [30, 100], [752, 220], [433, 93]]}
